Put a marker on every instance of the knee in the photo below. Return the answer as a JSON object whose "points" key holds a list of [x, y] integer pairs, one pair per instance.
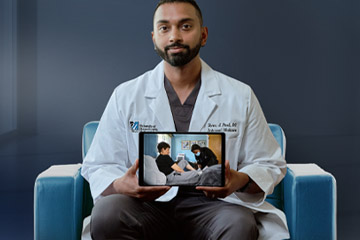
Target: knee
{"points": [[182, 163], [235, 225], [110, 216], [244, 226]]}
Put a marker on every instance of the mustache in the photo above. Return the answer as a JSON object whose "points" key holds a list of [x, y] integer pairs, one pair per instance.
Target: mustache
{"points": [[176, 45]]}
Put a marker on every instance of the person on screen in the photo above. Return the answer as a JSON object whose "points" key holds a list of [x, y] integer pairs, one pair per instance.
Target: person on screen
{"points": [[175, 174], [204, 156], [182, 93]]}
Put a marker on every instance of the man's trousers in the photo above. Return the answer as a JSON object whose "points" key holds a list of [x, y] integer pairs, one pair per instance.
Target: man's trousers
{"points": [[194, 216]]}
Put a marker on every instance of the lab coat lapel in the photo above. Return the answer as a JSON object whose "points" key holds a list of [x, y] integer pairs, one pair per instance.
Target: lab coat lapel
{"points": [[159, 102], [161, 108], [205, 104]]}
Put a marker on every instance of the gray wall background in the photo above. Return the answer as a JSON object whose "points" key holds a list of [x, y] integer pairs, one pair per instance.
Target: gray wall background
{"points": [[301, 58]]}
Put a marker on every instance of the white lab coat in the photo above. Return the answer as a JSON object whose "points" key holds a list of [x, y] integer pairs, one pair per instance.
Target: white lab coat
{"points": [[223, 104]]}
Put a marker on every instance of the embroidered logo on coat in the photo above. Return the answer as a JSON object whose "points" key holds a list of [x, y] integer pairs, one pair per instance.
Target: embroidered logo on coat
{"points": [[137, 127], [134, 126]]}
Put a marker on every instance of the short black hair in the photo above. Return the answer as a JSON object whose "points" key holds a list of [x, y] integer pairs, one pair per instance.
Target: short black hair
{"points": [[192, 2], [194, 147], [162, 145]]}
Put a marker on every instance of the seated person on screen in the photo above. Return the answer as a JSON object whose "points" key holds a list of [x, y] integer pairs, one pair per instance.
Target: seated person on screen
{"points": [[175, 174], [204, 156]]}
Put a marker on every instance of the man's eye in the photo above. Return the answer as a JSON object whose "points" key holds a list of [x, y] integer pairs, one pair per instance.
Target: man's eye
{"points": [[163, 28], [186, 26]]}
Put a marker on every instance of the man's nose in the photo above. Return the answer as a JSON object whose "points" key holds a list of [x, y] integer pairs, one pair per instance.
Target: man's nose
{"points": [[175, 35]]}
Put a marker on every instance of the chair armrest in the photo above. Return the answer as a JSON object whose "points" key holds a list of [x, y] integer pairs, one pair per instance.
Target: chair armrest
{"points": [[310, 202], [58, 199]]}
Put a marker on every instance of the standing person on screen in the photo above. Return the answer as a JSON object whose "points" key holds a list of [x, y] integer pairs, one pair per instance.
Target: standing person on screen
{"points": [[182, 93]]}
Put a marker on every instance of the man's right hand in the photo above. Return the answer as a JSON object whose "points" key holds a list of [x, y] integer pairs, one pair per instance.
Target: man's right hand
{"points": [[129, 185]]}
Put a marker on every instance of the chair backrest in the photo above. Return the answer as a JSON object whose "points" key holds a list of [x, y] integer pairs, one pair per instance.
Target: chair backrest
{"points": [[88, 135], [279, 136], [276, 198]]}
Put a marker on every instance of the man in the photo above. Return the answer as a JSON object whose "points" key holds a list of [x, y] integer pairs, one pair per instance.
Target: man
{"points": [[183, 93], [204, 156], [174, 172]]}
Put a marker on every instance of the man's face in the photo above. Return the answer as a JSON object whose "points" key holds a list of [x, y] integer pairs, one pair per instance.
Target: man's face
{"points": [[178, 34], [165, 151]]}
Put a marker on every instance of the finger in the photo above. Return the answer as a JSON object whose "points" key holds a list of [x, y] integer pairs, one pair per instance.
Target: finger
{"points": [[227, 169], [207, 194], [210, 189], [134, 167], [210, 195], [227, 165], [154, 189]]}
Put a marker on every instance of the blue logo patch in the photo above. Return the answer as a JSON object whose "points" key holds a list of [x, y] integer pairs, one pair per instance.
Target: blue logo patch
{"points": [[134, 126]]}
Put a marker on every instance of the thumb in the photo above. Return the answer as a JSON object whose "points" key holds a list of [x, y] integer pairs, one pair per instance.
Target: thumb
{"points": [[227, 169], [134, 167]]}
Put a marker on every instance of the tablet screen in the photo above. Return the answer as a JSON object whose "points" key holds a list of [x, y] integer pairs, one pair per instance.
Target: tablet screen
{"points": [[181, 159]]}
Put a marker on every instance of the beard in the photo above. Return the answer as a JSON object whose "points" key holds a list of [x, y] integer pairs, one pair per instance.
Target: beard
{"points": [[178, 59]]}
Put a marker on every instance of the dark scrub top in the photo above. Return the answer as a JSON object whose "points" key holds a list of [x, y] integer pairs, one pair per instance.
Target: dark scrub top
{"points": [[181, 112], [164, 163], [182, 117]]}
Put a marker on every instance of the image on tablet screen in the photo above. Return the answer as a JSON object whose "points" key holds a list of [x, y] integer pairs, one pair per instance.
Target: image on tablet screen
{"points": [[181, 159]]}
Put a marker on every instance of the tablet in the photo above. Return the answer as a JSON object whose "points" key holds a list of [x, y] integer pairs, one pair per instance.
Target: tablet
{"points": [[181, 159]]}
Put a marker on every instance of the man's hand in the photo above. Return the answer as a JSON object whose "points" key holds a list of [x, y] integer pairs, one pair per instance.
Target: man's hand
{"points": [[233, 181], [129, 185]]}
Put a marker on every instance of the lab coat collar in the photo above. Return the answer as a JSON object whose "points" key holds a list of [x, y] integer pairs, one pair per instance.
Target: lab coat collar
{"points": [[156, 81], [159, 104], [210, 83], [204, 105]]}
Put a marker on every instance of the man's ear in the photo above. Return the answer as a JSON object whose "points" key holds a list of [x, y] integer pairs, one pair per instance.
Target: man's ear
{"points": [[152, 38], [204, 35]]}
